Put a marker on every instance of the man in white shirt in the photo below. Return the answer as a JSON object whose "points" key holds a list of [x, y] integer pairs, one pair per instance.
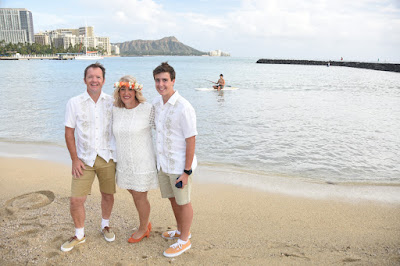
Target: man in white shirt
{"points": [[175, 124], [89, 117]]}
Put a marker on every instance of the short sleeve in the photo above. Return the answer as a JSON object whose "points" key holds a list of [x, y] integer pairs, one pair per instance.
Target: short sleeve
{"points": [[188, 122], [70, 117]]}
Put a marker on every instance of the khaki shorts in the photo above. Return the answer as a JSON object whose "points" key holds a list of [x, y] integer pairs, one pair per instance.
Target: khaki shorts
{"points": [[105, 173], [168, 189]]}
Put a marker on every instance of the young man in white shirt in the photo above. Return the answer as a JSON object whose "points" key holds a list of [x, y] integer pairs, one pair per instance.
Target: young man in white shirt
{"points": [[175, 124], [89, 117]]}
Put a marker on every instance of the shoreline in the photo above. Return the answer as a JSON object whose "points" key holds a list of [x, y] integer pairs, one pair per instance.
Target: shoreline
{"points": [[219, 174], [232, 224]]}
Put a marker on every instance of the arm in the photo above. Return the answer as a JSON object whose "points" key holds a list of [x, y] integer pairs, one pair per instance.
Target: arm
{"points": [[77, 164], [190, 147]]}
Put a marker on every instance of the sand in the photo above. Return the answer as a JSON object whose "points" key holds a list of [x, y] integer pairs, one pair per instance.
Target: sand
{"points": [[233, 225]]}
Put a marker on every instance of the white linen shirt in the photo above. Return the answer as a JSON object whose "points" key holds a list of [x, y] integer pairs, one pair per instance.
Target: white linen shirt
{"points": [[93, 126], [175, 121]]}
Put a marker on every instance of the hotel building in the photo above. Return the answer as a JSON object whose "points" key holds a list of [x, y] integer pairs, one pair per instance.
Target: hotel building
{"points": [[16, 25], [70, 37]]}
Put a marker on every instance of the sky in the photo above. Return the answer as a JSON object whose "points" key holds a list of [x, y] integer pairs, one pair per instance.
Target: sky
{"points": [[362, 30]]}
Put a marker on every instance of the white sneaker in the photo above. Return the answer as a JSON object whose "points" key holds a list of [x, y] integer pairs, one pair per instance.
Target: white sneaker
{"points": [[173, 235]]}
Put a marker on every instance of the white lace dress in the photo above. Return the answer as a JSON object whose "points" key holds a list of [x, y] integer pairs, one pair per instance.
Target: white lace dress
{"points": [[136, 161]]}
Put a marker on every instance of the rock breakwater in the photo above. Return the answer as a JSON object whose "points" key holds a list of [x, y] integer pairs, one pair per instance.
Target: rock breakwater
{"points": [[367, 65]]}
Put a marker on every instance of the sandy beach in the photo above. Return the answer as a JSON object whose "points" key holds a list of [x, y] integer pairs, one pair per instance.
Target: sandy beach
{"points": [[233, 225]]}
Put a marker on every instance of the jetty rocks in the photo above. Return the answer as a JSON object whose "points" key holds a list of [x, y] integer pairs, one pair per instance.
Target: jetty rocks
{"points": [[366, 65]]}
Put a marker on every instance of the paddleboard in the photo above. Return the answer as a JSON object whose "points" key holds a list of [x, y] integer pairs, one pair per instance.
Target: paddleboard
{"points": [[212, 89]]}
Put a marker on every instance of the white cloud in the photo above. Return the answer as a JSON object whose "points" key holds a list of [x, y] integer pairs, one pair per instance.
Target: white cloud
{"points": [[278, 28], [128, 20], [317, 24], [201, 20]]}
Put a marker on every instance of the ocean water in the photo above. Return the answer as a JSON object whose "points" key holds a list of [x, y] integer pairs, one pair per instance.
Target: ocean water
{"points": [[312, 123]]}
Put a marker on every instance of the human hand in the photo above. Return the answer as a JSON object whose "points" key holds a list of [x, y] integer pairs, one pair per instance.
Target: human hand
{"points": [[181, 181], [77, 168]]}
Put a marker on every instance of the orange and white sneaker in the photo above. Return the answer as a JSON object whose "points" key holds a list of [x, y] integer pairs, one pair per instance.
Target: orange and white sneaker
{"points": [[174, 234], [177, 249]]}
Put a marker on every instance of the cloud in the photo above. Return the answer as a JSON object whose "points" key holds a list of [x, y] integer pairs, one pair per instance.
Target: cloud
{"points": [[317, 24], [242, 27], [128, 20], [201, 20], [41, 21]]}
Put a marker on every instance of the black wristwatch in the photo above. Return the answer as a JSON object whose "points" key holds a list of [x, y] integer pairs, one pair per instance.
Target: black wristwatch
{"points": [[188, 172]]}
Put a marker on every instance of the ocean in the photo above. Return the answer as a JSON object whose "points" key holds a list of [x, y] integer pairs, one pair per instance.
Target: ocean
{"points": [[312, 123]]}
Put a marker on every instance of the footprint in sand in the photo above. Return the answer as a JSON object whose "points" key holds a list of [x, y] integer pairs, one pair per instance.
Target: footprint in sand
{"points": [[52, 254], [27, 232], [30, 201]]}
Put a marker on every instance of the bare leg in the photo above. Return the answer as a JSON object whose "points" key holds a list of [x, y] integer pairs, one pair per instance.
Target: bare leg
{"points": [[184, 217], [143, 208], [107, 203], [77, 209]]}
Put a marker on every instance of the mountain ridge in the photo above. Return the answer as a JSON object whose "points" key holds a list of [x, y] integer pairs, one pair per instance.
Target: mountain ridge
{"points": [[165, 46]]}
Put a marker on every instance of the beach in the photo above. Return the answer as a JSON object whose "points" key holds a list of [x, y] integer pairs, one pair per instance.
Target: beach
{"points": [[233, 224]]}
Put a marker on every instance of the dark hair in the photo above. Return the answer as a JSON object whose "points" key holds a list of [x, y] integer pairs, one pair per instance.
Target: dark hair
{"points": [[164, 67], [96, 65], [221, 75]]}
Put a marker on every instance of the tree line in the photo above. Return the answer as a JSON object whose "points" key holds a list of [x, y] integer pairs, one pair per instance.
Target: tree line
{"points": [[7, 49]]}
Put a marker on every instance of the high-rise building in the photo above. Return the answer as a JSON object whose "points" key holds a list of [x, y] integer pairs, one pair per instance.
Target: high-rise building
{"points": [[16, 25], [87, 31], [104, 43]]}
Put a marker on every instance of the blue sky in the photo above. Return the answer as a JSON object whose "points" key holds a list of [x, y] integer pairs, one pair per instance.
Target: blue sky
{"points": [[314, 29]]}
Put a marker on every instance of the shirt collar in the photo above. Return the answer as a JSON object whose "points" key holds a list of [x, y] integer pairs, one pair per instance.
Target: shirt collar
{"points": [[172, 100], [86, 96]]}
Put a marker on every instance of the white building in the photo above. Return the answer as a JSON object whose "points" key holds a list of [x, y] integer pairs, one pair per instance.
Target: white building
{"points": [[83, 36], [16, 25], [41, 38], [115, 49], [103, 43], [218, 53]]}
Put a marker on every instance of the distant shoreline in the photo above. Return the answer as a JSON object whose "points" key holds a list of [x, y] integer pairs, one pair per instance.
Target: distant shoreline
{"points": [[366, 65]]}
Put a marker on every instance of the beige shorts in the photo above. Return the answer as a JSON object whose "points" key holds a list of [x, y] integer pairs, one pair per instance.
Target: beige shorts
{"points": [[105, 173], [168, 189]]}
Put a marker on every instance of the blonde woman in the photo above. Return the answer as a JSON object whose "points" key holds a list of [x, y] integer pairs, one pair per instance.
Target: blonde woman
{"points": [[136, 167]]}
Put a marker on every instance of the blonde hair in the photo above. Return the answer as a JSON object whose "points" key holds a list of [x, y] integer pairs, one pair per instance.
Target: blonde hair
{"points": [[138, 94]]}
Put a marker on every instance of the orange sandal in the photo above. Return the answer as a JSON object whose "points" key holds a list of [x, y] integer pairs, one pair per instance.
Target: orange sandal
{"points": [[147, 234]]}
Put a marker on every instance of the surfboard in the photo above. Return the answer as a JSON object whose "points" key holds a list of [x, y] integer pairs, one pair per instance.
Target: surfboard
{"points": [[212, 89]]}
